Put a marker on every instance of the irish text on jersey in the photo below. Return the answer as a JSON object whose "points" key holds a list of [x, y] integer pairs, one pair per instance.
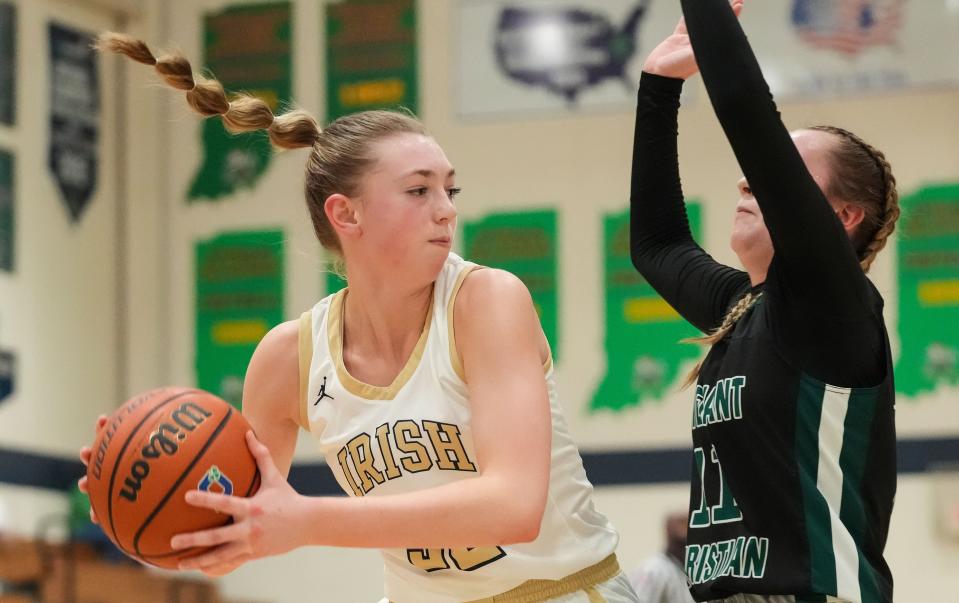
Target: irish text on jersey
{"points": [[406, 446]]}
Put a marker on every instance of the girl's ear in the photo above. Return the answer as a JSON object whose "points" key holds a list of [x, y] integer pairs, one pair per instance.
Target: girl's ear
{"points": [[342, 213]]}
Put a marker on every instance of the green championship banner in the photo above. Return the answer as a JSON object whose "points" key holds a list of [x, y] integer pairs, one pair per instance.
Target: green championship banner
{"points": [[7, 220], [370, 56], [239, 297], [643, 332], [8, 63], [526, 245], [247, 48], [928, 290]]}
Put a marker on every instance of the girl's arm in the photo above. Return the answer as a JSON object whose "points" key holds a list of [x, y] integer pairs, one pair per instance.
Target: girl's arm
{"points": [[499, 338], [825, 312], [814, 258], [661, 245]]}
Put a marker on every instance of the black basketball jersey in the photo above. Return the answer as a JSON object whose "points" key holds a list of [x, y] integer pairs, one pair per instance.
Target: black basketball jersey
{"points": [[793, 478], [794, 465]]}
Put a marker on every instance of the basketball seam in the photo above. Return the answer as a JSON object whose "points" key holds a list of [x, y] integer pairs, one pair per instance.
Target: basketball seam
{"points": [[176, 484], [119, 458], [254, 483]]}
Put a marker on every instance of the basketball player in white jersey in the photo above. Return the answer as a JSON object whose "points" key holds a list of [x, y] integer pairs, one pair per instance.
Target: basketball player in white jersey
{"points": [[428, 383]]}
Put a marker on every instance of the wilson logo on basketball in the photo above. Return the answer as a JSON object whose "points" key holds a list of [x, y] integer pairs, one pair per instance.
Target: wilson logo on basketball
{"points": [[111, 429], [163, 441]]}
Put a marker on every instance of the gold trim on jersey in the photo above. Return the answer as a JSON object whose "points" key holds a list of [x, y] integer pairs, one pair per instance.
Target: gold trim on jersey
{"points": [[454, 353], [537, 591], [334, 328], [305, 347], [455, 359]]}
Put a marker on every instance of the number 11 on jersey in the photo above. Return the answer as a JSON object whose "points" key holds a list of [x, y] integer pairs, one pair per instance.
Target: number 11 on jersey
{"points": [[727, 510]]}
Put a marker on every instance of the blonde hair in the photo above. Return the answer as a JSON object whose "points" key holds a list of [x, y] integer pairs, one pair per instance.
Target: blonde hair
{"points": [[729, 321], [340, 154]]}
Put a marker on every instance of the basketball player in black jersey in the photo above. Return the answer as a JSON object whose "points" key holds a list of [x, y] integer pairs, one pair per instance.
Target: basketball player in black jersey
{"points": [[794, 468]]}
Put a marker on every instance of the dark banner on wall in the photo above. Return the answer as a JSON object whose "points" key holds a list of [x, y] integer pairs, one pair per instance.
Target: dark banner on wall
{"points": [[7, 216], [8, 63], [643, 332], [929, 290], [74, 117], [370, 56], [247, 48], [239, 296], [526, 245], [8, 365]]}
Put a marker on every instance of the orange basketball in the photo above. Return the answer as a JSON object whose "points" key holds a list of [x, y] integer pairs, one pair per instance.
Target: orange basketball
{"points": [[154, 449]]}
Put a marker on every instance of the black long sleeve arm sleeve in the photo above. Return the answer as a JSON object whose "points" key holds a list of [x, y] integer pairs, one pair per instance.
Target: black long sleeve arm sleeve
{"points": [[809, 241], [829, 315], [661, 245]]}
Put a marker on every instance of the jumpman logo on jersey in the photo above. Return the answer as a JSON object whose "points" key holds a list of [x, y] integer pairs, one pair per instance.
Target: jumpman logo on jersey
{"points": [[323, 393]]}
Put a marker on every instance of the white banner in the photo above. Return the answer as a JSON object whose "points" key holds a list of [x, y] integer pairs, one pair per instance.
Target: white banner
{"points": [[534, 56], [810, 48], [553, 55]]}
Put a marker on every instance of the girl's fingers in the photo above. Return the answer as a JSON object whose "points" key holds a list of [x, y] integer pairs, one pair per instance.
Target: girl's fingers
{"points": [[221, 503], [230, 554], [205, 538]]}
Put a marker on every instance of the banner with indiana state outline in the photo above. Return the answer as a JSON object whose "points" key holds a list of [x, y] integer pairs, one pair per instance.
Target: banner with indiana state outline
{"points": [[644, 355], [248, 49], [928, 271]]}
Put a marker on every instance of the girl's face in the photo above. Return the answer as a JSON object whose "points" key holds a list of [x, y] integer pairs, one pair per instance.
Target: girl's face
{"points": [[405, 207], [750, 237]]}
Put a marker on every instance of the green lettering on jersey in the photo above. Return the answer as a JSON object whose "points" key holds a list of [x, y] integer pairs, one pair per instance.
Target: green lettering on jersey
{"points": [[739, 557], [693, 552], [700, 517], [754, 565]]}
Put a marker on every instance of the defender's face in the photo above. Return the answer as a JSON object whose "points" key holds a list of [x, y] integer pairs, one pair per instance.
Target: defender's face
{"points": [[750, 237]]}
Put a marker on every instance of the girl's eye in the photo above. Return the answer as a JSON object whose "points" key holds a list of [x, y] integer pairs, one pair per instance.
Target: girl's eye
{"points": [[452, 192], [419, 191]]}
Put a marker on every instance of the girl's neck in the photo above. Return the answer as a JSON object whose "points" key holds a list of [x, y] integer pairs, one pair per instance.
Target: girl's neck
{"points": [[384, 319]]}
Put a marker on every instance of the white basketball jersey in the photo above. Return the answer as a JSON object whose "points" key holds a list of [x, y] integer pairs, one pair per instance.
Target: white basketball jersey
{"points": [[416, 434]]}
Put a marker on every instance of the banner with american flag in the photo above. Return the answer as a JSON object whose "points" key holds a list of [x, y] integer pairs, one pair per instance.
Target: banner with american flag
{"points": [[811, 48]]}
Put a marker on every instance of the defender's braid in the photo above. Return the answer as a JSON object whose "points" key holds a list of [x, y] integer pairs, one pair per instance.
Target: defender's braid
{"points": [[731, 318], [890, 206], [245, 113]]}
